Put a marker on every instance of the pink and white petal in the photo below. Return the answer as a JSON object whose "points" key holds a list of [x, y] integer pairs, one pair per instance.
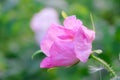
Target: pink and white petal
{"points": [[53, 33], [72, 23]]}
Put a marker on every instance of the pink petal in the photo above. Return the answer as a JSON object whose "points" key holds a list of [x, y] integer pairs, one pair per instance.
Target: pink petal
{"points": [[72, 23], [90, 34], [46, 63], [62, 54], [55, 32], [83, 43]]}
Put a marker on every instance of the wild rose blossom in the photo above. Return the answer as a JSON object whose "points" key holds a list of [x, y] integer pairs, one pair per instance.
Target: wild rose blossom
{"points": [[66, 45], [42, 20]]}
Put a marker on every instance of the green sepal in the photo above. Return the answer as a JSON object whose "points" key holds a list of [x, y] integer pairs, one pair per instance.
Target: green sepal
{"points": [[51, 69], [98, 51], [37, 52], [64, 15]]}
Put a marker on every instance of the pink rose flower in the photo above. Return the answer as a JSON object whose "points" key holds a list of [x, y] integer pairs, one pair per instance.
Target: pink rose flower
{"points": [[66, 45]]}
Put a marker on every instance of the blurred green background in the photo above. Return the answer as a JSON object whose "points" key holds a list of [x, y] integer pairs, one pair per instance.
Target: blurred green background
{"points": [[17, 43]]}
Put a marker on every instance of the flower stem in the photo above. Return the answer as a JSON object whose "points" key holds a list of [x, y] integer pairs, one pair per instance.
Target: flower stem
{"points": [[106, 65]]}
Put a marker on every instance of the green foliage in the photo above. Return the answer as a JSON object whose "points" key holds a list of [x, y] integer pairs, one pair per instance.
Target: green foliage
{"points": [[17, 43]]}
